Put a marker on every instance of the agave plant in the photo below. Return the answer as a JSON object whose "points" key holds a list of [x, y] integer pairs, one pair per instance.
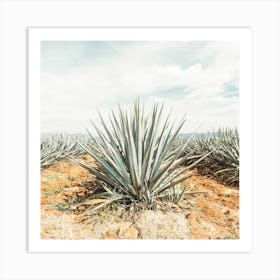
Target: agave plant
{"points": [[137, 161], [223, 163]]}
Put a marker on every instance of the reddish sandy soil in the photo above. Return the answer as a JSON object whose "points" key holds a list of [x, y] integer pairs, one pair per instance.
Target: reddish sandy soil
{"points": [[213, 214]]}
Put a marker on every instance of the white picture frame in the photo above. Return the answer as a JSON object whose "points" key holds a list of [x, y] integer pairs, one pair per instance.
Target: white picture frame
{"points": [[15, 19], [240, 35]]}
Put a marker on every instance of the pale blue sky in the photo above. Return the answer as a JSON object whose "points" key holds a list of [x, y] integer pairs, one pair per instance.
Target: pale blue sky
{"points": [[196, 78]]}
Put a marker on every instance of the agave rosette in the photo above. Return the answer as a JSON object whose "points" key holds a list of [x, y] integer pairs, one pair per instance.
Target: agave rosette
{"points": [[137, 161]]}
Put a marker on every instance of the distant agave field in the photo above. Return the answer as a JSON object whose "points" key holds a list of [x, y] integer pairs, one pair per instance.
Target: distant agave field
{"points": [[58, 146], [222, 163]]}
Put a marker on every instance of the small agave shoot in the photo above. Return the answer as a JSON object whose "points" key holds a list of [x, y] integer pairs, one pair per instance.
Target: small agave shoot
{"points": [[137, 161]]}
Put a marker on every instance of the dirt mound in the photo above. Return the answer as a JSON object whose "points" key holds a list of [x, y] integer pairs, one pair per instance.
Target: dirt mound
{"points": [[159, 225], [215, 214]]}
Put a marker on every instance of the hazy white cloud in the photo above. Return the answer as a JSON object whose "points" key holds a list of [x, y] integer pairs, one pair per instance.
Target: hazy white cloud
{"points": [[199, 79]]}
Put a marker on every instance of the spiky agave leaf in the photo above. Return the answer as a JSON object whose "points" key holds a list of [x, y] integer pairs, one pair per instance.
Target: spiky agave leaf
{"points": [[135, 153]]}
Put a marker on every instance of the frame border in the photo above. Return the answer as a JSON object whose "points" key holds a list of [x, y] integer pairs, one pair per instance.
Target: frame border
{"points": [[251, 266], [243, 36]]}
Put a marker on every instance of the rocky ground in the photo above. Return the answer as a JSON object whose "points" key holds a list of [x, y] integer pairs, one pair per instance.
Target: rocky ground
{"points": [[213, 213]]}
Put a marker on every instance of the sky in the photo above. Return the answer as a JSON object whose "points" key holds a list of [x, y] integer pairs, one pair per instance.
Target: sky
{"points": [[195, 78]]}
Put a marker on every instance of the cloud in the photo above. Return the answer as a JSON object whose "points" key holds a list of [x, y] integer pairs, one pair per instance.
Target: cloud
{"points": [[196, 78]]}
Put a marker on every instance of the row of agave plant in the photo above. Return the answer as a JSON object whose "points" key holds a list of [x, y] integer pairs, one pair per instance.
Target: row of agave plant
{"points": [[140, 159], [223, 164], [58, 146]]}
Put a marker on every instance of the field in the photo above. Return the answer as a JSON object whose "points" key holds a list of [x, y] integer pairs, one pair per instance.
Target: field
{"points": [[208, 208]]}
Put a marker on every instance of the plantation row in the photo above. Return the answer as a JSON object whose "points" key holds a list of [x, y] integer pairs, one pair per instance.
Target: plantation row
{"points": [[58, 146], [221, 163]]}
